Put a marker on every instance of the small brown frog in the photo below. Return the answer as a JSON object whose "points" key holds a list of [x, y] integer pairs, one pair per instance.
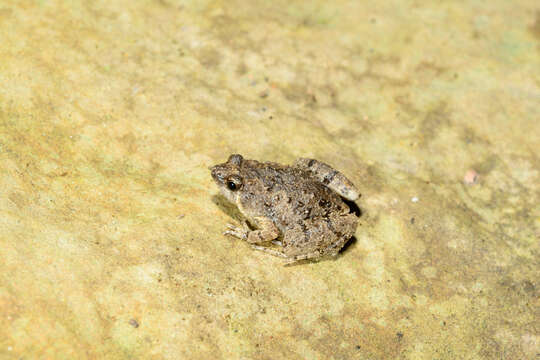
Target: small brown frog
{"points": [[301, 205]]}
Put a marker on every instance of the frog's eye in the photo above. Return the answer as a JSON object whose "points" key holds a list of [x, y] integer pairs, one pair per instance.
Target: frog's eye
{"points": [[234, 183], [231, 185]]}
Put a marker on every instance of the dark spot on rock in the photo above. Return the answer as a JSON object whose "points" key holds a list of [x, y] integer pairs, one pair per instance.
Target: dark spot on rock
{"points": [[209, 57], [134, 323], [485, 166], [433, 122], [400, 335], [528, 286], [412, 220], [535, 27], [241, 69]]}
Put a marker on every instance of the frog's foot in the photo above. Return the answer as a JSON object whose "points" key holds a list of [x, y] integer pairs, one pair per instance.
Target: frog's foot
{"points": [[237, 232]]}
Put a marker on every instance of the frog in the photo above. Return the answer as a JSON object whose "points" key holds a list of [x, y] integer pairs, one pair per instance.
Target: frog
{"points": [[296, 212]]}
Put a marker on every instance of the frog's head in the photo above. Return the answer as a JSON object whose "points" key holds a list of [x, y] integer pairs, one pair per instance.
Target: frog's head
{"points": [[227, 177]]}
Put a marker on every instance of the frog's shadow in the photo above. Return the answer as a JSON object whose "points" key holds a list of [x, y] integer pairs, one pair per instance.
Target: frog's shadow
{"points": [[230, 209], [227, 207], [353, 206]]}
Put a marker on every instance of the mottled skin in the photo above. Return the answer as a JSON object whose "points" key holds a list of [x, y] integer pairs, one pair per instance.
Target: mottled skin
{"points": [[301, 204]]}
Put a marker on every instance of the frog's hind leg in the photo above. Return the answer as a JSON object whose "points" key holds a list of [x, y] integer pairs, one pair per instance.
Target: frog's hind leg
{"points": [[290, 259], [315, 255], [329, 177], [331, 251], [269, 251]]}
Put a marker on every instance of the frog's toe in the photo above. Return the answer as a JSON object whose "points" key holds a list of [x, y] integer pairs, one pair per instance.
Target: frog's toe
{"points": [[236, 232]]}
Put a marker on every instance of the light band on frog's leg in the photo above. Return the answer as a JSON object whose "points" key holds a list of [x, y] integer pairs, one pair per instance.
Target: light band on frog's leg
{"points": [[269, 251]]}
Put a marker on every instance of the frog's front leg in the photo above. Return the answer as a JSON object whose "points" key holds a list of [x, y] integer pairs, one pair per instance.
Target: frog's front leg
{"points": [[267, 231], [330, 177]]}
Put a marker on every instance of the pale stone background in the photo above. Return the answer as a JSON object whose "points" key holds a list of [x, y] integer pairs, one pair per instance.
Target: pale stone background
{"points": [[110, 228]]}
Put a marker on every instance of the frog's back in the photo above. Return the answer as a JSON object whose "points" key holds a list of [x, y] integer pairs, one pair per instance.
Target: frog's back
{"points": [[291, 196]]}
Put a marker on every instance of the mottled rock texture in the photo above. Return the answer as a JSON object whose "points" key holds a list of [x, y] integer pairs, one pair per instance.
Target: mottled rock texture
{"points": [[110, 224]]}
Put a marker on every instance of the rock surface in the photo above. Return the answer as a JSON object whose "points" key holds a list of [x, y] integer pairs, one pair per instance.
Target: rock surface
{"points": [[110, 235]]}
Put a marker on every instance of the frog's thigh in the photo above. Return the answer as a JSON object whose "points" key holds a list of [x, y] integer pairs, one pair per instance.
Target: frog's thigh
{"points": [[298, 243], [330, 251], [307, 254], [334, 248], [329, 177], [268, 231]]}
